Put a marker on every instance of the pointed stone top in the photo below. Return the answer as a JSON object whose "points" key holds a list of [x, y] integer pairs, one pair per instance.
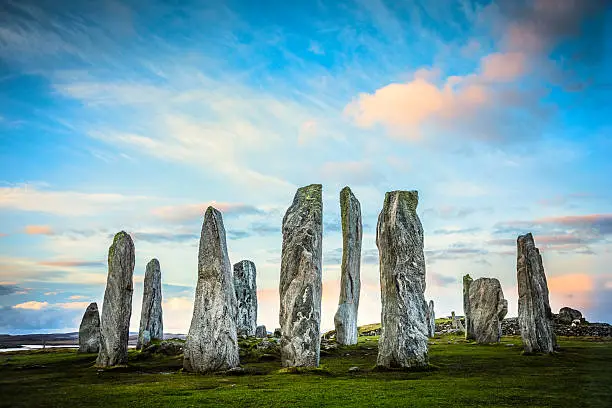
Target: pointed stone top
{"points": [[93, 306], [244, 261], [211, 211], [120, 236], [153, 263], [346, 190], [411, 198], [525, 239]]}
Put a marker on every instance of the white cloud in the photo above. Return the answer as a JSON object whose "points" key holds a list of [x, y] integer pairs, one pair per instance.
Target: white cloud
{"points": [[31, 305]]}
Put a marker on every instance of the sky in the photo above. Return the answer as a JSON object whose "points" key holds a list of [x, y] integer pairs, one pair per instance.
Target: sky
{"points": [[137, 115]]}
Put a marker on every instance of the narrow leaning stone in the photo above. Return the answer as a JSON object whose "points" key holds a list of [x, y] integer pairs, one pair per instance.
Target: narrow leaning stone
{"points": [[345, 319], [151, 318], [431, 319], [535, 316], [117, 307], [399, 237], [245, 286], [212, 343], [469, 330], [300, 279], [89, 331], [487, 308]]}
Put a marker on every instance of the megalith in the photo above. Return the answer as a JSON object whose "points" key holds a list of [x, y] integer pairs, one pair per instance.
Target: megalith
{"points": [[431, 319], [151, 318], [345, 319], [487, 308], [245, 286], [117, 306], [89, 330], [399, 238], [212, 343], [300, 279], [534, 314]]}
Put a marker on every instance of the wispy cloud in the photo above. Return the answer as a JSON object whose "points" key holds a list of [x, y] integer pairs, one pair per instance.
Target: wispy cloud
{"points": [[31, 305], [188, 212], [38, 230]]}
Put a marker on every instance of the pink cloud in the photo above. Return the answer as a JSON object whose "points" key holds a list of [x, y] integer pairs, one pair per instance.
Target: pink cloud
{"points": [[574, 290], [458, 101], [72, 305], [31, 305], [503, 67], [38, 230]]}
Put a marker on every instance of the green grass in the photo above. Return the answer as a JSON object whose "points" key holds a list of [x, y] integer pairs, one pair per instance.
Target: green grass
{"points": [[461, 374]]}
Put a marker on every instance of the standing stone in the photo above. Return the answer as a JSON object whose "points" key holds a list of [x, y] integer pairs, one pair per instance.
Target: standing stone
{"points": [[151, 319], [212, 343], [469, 330], [456, 322], [300, 279], [535, 316], [245, 286], [89, 331], [117, 307], [345, 319], [399, 237], [487, 308], [431, 319], [261, 332]]}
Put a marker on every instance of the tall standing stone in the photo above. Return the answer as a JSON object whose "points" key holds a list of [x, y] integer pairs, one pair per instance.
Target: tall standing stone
{"points": [[117, 307], [431, 319], [399, 237], [89, 331], [151, 319], [345, 319], [300, 279], [245, 286], [535, 316], [212, 343], [487, 308], [469, 330]]}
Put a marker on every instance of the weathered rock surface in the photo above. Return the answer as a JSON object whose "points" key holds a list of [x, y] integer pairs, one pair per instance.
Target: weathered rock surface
{"points": [[456, 322], [535, 316], [567, 315], [261, 332], [245, 286], [510, 327], [212, 343], [89, 331], [487, 308], [151, 318], [345, 319], [277, 333], [399, 237], [469, 330], [431, 319], [300, 279], [117, 307]]}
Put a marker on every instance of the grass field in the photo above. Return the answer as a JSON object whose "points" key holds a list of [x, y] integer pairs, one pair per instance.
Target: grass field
{"points": [[461, 374]]}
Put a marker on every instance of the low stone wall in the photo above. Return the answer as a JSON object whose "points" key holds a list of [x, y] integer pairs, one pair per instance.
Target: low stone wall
{"points": [[510, 327]]}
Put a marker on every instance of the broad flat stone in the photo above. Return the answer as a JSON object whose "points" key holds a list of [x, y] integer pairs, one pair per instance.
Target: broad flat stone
{"points": [[245, 285], [89, 331], [300, 279], [345, 319], [534, 314], [212, 342], [151, 316], [487, 308], [399, 237], [117, 307]]}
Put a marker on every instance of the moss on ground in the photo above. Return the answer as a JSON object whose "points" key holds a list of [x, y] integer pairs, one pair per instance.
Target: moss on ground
{"points": [[462, 374]]}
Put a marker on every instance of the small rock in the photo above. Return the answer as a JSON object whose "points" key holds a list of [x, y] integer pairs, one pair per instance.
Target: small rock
{"points": [[354, 369]]}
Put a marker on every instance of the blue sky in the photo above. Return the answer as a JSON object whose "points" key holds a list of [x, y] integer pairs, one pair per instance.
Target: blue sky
{"points": [[134, 115]]}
